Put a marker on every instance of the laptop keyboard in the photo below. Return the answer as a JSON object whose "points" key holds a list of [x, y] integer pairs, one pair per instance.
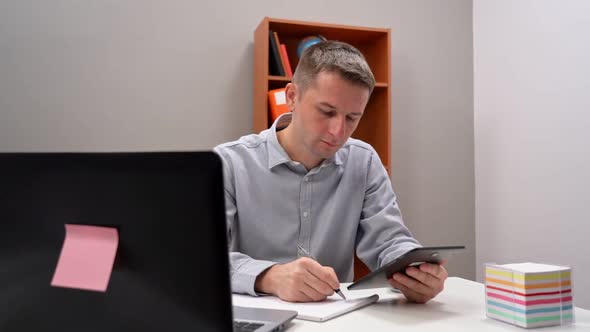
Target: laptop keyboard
{"points": [[244, 326]]}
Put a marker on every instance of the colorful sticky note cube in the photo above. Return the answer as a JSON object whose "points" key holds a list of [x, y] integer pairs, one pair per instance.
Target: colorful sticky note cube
{"points": [[529, 294]]}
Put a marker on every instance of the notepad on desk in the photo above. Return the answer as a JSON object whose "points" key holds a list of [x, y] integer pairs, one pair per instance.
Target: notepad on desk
{"points": [[322, 311]]}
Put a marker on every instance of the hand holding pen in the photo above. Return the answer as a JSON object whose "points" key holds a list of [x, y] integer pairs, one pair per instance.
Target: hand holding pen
{"points": [[309, 255], [301, 280]]}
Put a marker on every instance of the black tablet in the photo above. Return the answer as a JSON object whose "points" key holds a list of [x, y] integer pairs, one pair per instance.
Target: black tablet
{"points": [[414, 257]]}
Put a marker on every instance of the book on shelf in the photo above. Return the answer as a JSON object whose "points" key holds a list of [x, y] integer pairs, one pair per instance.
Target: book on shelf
{"points": [[274, 56], [286, 62], [281, 56]]}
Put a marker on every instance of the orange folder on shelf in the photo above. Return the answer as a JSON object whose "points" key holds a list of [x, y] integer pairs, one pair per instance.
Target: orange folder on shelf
{"points": [[277, 101]]}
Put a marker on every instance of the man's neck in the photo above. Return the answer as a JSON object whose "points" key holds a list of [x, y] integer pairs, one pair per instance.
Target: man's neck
{"points": [[296, 151]]}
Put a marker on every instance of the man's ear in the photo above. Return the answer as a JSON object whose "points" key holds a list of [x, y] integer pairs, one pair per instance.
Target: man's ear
{"points": [[291, 93]]}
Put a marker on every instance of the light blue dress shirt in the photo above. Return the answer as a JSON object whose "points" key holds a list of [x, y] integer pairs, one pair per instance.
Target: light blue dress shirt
{"points": [[273, 204]]}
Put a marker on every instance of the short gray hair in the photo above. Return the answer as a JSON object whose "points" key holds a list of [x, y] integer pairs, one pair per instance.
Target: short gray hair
{"points": [[333, 56]]}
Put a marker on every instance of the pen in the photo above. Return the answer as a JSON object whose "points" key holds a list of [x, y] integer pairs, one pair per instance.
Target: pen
{"points": [[307, 254]]}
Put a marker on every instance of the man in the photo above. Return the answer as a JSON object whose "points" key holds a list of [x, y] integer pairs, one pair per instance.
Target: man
{"points": [[304, 183]]}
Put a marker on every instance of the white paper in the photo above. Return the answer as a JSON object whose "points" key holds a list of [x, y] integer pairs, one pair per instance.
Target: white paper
{"points": [[533, 267], [332, 307], [280, 97]]}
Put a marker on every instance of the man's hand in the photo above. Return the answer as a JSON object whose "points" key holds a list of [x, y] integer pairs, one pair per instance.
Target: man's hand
{"points": [[420, 284], [303, 280]]}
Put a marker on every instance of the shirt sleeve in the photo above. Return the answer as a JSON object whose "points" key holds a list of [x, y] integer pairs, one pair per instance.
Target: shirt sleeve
{"points": [[382, 235], [243, 269]]}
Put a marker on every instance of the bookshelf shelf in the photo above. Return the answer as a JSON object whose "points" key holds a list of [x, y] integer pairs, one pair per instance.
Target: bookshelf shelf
{"points": [[288, 79], [375, 126], [279, 78]]}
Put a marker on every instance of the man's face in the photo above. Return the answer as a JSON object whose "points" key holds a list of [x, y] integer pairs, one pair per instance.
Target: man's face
{"points": [[326, 114]]}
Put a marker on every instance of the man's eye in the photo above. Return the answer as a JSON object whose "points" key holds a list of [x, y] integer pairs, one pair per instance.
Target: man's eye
{"points": [[327, 113]]}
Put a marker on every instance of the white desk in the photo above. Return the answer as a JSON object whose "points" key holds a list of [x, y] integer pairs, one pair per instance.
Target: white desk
{"points": [[460, 307]]}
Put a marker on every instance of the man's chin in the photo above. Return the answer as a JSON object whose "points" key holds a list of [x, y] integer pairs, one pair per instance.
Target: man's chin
{"points": [[327, 153]]}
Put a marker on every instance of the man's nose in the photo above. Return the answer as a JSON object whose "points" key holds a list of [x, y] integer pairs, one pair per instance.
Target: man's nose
{"points": [[337, 124]]}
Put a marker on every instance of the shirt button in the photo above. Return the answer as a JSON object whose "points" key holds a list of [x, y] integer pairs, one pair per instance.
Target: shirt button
{"points": [[305, 214], [306, 179]]}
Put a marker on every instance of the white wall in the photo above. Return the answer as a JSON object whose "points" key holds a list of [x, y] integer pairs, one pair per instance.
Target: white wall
{"points": [[532, 134], [100, 75]]}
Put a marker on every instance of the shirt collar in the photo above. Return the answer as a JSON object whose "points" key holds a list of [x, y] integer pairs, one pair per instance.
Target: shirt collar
{"points": [[277, 155]]}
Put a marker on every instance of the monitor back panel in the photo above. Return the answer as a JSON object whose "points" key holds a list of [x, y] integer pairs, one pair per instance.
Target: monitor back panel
{"points": [[171, 268]]}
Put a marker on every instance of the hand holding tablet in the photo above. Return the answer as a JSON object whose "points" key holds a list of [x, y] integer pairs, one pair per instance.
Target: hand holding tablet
{"points": [[414, 257]]}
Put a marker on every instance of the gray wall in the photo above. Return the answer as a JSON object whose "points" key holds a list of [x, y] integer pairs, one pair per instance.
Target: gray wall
{"points": [[531, 134], [172, 75]]}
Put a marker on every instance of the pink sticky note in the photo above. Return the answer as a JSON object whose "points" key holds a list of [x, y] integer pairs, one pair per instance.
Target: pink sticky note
{"points": [[87, 257]]}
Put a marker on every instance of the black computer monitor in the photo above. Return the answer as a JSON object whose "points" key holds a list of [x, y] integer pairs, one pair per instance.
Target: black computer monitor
{"points": [[171, 270]]}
